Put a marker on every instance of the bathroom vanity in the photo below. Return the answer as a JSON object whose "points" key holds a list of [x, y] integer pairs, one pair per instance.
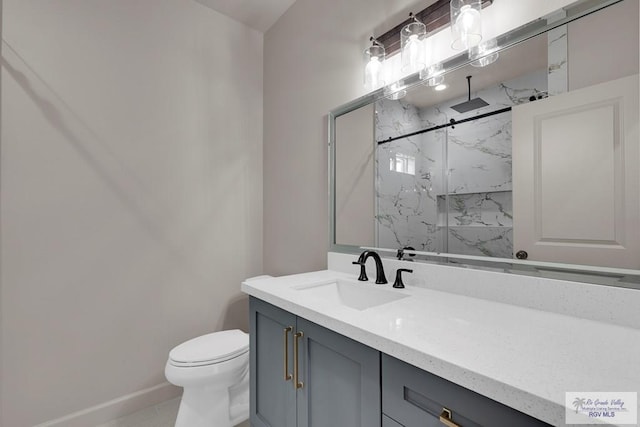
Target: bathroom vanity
{"points": [[370, 355], [337, 381]]}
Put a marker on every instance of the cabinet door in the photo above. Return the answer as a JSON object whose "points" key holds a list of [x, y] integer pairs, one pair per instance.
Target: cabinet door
{"points": [[341, 380], [273, 400], [416, 398]]}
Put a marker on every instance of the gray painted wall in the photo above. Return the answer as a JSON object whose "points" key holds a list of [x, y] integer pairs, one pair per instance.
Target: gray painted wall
{"points": [[131, 197], [312, 64]]}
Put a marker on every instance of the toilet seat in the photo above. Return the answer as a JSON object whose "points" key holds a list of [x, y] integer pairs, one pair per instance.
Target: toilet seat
{"points": [[210, 349]]}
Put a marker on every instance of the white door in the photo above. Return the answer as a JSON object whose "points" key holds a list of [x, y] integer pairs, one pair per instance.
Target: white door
{"points": [[576, 180]]}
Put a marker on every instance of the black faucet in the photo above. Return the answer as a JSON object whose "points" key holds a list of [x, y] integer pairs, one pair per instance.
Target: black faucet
{"points": [[362, 260]]}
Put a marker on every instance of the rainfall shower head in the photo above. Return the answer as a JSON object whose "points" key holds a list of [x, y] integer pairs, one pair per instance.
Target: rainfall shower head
{"points": [[470, 104]]}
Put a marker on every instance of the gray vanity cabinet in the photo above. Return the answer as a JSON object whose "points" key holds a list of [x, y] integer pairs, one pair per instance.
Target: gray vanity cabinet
{"points": [[338, 378], [412, 397], [342, 383]]}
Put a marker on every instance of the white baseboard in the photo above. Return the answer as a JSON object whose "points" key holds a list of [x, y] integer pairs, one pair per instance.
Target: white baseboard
{"points": [[116, 408]]}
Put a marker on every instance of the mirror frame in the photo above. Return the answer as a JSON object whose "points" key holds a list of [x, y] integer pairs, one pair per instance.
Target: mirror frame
{"points": [[532, 29]]}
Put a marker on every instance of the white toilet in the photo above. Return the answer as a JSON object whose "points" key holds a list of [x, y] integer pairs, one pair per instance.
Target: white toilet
{"points": [[214, 371]]}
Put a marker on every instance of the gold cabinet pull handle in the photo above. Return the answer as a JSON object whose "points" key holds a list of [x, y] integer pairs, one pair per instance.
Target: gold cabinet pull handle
{"points": [[446, 418], [285, 351], [296, 384]]}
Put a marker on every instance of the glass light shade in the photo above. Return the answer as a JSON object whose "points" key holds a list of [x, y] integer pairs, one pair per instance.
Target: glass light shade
{"points": [[466, 23], [484, 53], [373, 60], [413, 47], [433, 75], [395, 91]]}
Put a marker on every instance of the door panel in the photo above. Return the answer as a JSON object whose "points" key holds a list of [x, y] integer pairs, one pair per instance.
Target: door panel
{"points": [[341, 380], [273, 400], [576, 166]]}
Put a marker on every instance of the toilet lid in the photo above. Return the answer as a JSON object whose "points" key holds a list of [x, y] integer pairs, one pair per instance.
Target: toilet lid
{"points": [[211, 348]]}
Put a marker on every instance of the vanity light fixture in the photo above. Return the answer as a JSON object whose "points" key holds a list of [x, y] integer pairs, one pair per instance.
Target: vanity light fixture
{"points": [[412, 45], [466, 23], [484, 53], [373, 58], [410, 38]]}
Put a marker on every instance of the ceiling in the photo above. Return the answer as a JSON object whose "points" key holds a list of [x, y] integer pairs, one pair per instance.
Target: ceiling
{"points": [[257, 14]]}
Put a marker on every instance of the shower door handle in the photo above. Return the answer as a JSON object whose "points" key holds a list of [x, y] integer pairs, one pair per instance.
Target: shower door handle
{"points": [[285, 349]]}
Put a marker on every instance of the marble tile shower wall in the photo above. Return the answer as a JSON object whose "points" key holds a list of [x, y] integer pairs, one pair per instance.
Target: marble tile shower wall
{"points": [[479, 223], [407, 208], [457, 197]]}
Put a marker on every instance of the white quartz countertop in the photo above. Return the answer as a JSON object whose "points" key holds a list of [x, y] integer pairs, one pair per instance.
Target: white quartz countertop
{"points": [[524, 358]]}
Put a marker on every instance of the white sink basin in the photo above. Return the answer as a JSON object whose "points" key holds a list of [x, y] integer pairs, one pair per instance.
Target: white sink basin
{"points": [[351, 293]]}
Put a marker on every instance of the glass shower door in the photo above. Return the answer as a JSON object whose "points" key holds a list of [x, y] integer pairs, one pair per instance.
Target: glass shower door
{"points": [[409, 182]]}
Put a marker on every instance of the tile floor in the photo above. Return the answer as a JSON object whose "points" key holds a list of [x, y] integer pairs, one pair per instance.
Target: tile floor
{"points": [[161, 415]]}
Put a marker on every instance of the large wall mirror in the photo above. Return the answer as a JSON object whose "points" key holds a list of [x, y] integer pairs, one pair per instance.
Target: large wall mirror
{"points": [[538, 162]]}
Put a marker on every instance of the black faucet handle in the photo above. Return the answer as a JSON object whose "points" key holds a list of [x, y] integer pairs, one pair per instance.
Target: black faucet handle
{"points": [[363, 272], [398, 282]]}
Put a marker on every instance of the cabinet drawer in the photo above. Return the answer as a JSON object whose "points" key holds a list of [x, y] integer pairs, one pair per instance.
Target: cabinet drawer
{"points": [[416, 398]]}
